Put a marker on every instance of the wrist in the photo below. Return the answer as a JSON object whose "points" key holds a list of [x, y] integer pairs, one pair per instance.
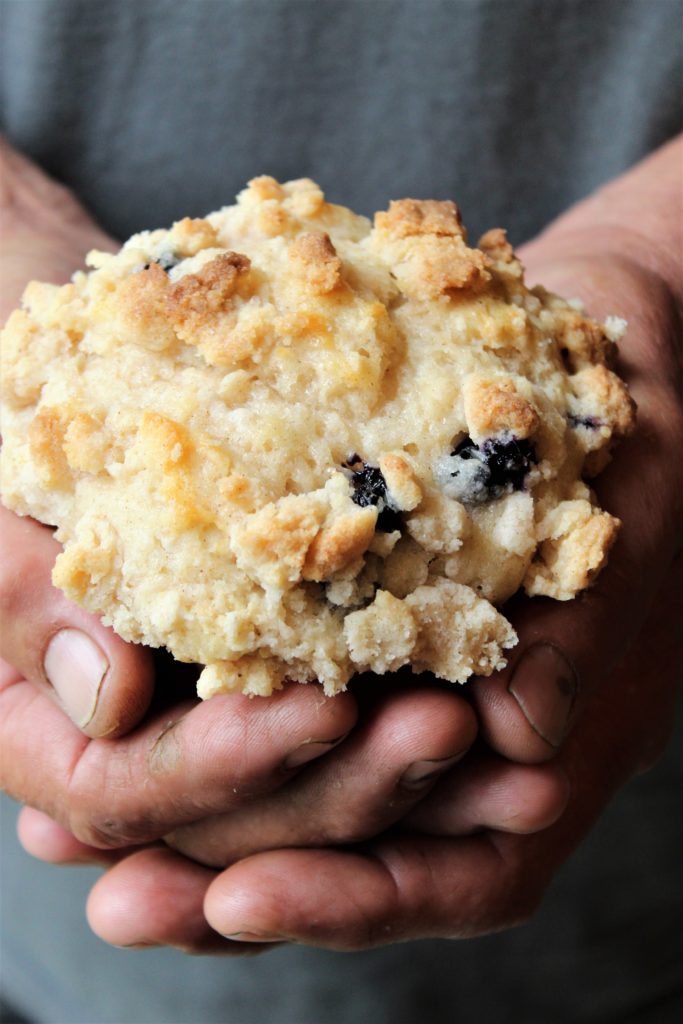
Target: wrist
{"points": [[604, 254], [636, 217]]}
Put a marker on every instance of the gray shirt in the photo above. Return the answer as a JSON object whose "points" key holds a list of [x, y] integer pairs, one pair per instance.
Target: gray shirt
{"points": [[515, 108]]}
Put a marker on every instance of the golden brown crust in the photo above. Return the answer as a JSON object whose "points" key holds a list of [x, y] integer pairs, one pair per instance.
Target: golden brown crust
{"points": [[200, 307], [401, 480], [493, 406], [426, 241], [581, 341], [604, 396], [430, 267], [196, 299], [450, 267], [271, 545], [85, 443], [575, 540], [339, 544], [409, 217], [316, 258], [191, 235], [138, 309], [495, 244], [165, 442], [46, 444], [265, 187]]}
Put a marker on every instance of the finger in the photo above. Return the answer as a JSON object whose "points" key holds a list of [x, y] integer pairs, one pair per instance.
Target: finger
{"points": [[490, 793], [399, 888], [104, 684], [336, 899], [46, 840], [155, 898], [201, 759], [386, 766], [32, 201]]}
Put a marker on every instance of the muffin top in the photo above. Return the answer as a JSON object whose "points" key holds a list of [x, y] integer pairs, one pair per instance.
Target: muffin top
{"points": [[285, 442]]}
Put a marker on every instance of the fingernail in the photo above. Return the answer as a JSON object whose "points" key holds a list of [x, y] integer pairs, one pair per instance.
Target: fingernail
{"points": [[253, 937], [422, 772], [309, 750], [76, 667], [136, 945], [544, 685]]}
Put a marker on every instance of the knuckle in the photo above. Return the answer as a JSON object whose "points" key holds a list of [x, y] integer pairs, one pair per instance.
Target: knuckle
{"points": [[87, 832], [11, 575], [164, 756], [349, 823], [106, 832], [365, 823], [103, 833], [91, 821]]}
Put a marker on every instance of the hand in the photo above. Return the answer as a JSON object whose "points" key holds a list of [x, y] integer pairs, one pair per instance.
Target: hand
{"points": [[435, 876], [616, 252], [566, 650], [507, 725]]}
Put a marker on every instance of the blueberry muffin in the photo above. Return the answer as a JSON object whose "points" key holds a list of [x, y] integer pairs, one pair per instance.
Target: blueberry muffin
{"points": [[287, 443]]}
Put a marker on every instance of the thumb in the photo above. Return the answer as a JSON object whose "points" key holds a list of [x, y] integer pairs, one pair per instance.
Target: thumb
{"points": [[102, 683]]}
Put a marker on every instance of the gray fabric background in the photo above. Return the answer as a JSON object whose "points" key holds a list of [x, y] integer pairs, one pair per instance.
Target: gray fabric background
{"points": [[516, 108]]}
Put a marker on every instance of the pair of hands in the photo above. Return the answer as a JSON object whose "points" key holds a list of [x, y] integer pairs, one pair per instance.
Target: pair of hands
{"points": [[346, 822]]}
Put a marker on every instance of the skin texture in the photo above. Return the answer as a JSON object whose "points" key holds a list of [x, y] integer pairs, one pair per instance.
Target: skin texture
{"points": [[416, 869]]}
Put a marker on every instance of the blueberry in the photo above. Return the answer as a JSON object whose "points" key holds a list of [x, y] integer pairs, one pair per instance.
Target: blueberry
{"points": [[591, 422], [477, 473], [166, 261], [509, 460], [370, 488]]}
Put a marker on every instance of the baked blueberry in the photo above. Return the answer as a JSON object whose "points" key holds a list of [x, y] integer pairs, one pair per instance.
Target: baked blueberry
{"points": [[590, 422], [166, 261], [474, 473], [370, 488]]}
